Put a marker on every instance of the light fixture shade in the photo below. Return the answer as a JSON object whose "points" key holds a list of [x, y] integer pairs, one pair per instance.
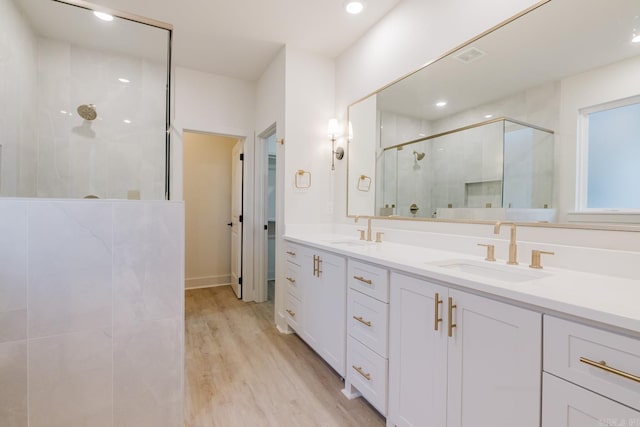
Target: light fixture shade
{"points": [[333, 129]]}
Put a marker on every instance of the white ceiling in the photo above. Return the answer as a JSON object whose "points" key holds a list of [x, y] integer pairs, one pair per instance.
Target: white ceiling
{"points": [[239, 38]]}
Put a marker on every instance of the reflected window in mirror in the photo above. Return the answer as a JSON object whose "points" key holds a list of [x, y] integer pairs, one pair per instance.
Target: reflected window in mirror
{"points": [[610, 146]]}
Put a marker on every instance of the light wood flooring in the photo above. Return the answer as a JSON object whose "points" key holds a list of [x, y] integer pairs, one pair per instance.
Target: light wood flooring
{"points": [[240, 371]]}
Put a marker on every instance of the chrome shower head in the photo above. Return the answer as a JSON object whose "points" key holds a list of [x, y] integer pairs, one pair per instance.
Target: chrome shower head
{"points": [[88, 111], [419, 156]]}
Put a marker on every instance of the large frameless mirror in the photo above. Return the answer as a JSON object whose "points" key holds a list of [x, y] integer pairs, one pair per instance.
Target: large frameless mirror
{"points": [[84, 102], [496, 129]]}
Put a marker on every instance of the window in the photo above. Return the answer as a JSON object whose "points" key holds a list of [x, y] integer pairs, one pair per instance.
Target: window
{"points": [[610, 157]]}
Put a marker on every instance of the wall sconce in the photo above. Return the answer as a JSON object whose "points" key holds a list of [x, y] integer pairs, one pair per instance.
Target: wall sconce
{"points": [[334, 132]]}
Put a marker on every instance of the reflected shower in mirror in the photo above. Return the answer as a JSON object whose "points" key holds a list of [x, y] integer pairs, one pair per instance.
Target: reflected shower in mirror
{"points": [[539, 71], [84, 111]]}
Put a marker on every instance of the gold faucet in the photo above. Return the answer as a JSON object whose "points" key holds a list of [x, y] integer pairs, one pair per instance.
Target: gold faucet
{"points": [[369, 233], [513, 248]]}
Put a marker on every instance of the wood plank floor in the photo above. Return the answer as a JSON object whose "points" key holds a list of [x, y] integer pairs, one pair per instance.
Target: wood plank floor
{"points": [[240, 371]]}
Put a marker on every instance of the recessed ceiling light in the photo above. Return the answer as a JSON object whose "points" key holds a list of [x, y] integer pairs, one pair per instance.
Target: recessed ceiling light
{"points": [[127, 121], [488, 116], [441, 103], [103, 16], [354, 7], [123, 80], [63, 112], [636, 38]]}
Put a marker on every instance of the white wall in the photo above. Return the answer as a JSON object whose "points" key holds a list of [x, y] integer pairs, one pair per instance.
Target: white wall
{"points": [[225, 106], [91, 312], [310, 103], [207, 198], [18, 61]]}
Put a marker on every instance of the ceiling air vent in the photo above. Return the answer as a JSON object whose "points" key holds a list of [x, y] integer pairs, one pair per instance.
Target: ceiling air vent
{"points": [[469, 55]]}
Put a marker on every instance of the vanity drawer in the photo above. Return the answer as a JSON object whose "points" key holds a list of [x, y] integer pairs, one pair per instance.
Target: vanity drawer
{"points": [[292, 312], [292, 279], [367, 371], [367, 320], [369, 279], [293, 253], [570, 347]]}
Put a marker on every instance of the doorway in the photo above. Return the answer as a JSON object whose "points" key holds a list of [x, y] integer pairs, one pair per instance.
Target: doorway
{"points": [[213, 210]]}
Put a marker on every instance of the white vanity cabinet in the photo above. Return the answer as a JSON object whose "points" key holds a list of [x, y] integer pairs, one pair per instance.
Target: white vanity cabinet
{"points": [[458, 359], [592, 376], [317, 297], [367, 333]]}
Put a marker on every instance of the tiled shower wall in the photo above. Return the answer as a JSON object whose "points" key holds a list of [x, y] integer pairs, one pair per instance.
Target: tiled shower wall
{"points": [[91, 313]]}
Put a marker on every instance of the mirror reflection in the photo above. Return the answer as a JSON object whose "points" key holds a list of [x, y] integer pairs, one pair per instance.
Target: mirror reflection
{"points": [[499, 129], [83, 107]]}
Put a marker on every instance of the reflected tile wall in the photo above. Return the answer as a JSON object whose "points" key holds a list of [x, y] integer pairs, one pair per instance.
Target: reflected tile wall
{"points": [[104, 325]]}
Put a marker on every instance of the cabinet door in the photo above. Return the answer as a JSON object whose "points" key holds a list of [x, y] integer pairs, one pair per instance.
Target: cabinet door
{"points": [[310, 290], [417, 353], [494, 367], [567, 405], [329, 309]]}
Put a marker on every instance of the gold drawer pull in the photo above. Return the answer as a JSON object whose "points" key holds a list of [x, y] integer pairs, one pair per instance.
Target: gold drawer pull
{"points": [[603, 365], [437, 319], [291, 280], [361, 320], [291, 313], [291, 253], [361, 372], [451, 324], [363, 280]]}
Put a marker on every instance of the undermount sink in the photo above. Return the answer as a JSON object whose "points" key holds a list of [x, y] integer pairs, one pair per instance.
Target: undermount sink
{"points": [[353, 243], [505, 273]]}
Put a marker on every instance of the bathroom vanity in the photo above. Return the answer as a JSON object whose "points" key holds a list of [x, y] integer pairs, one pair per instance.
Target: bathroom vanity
{"points": [[437, 338]]}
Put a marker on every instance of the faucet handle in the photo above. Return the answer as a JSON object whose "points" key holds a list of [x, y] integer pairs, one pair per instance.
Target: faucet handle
{"points": [[490, 251], [362, 234], [535, 258], [379, 236]]}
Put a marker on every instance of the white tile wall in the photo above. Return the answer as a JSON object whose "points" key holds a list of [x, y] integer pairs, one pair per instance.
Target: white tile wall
{"points": [[101, 331]]}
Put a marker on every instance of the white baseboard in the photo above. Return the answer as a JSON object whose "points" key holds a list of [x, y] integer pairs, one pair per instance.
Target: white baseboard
{"points": [[207, 282]]}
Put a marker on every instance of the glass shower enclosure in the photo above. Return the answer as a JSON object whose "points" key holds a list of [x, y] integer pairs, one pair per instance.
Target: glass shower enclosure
{"points": [[84, 103]]}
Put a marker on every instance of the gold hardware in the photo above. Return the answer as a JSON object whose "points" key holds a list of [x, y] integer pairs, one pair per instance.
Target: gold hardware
{"points": [[368, 225], [363, 280], [362, 236], [319, 264], [361, 320], [291, 280], [603, 365], [437, 319], [291, 253], [291, 313], [490, 252], [364, 183], [280, 141], [361, 372], [513, 248], [451, 324], [379, 237], [535, 258], [299, 178], [487, 205], [315, 265]]}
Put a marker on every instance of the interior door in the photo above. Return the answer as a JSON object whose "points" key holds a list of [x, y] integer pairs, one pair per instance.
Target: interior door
{"points": [[237, 172]]}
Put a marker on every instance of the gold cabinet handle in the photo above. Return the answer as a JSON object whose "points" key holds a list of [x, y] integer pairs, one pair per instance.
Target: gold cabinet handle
{"points": [[291, 313], [291, 280], [437, 319], [363, 280], [319, 271], [361, 320], [603, 365], [361, 372], [315, 265], [451, 324], [291, 253]]}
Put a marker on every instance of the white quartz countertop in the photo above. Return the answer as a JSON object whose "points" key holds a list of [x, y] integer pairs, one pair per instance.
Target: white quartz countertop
{"points": [[603, 299]]}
